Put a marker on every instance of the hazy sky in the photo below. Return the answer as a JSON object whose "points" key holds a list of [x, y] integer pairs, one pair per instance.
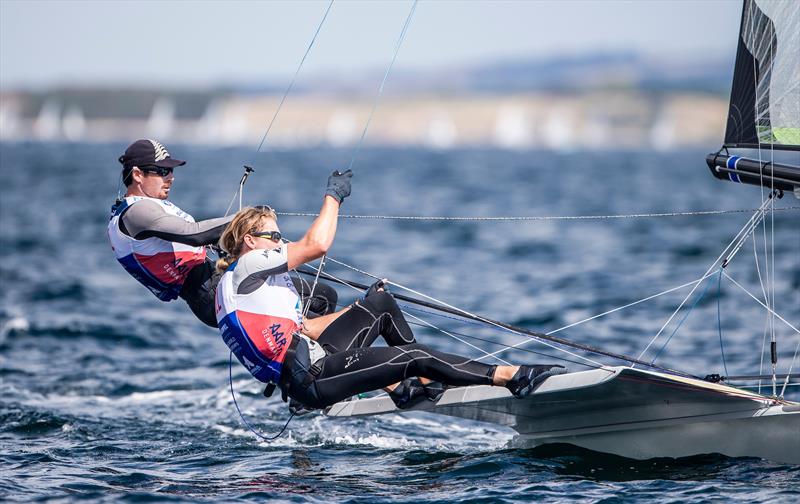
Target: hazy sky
{"points": [[194, 43]]}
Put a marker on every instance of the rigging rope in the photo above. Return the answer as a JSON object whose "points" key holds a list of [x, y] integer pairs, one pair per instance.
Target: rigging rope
{"points": [[719, 321], [685, 316], [294, 77], [608, 312], [383, 83], [776, 315], [535, 218], [241, 415], [407, 308], [378, 96], [531, 335], [428, 324], [770, 299], [727, 253]]}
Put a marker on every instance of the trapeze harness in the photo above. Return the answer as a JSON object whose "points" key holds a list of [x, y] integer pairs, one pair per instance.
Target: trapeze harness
{"points": [[167, 255], [259, 315]]}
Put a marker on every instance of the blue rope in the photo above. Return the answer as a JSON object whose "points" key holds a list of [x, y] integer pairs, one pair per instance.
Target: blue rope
{"points": [[294, 78], [719, 322], [383, 82], [241, 415], [686, 315]]}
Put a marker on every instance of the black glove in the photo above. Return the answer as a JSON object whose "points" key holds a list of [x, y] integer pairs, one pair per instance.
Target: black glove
{"points": [[380, 284], [339, 185]]}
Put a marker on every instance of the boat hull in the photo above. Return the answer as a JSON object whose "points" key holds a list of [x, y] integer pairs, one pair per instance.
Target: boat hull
{"points": [[628, 412]]}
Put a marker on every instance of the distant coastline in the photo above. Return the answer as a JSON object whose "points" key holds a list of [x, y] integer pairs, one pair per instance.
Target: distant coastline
{"points": [[612, 101], [593, 120]]}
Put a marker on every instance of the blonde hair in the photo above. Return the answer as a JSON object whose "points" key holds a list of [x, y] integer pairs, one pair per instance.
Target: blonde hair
{"points": [[247, 220]]}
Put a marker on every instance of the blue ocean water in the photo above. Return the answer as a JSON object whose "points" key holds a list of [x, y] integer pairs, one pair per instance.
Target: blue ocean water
{"points": [[108, 394]]}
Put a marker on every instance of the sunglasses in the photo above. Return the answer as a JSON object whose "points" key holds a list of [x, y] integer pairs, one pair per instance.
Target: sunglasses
{"points": [[269, 235], [158, 170]]}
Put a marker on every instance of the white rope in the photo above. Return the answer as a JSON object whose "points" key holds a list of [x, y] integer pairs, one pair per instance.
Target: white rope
{"points": [[294, 77], [776, 315], [494, 324], [532, 218], [766, 321], [791, 366], [469, 314], [314, 286], [770, 288], [648, 298], [484, 352], [397, 46], [343, 282], [728, 252]]}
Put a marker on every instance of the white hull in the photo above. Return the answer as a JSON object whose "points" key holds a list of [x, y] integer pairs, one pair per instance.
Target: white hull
{"points": [[627, 412]]}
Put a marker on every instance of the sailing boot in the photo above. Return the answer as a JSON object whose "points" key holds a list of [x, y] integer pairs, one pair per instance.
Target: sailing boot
{"points": [[434, 390], [297, 408], [528, 378], [408, 393]]}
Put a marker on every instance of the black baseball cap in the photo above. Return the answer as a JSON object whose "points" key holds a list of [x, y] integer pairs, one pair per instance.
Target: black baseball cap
{"points": [[148, 153]]}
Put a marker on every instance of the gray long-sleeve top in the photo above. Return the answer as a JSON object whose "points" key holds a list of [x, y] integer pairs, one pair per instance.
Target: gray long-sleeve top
{"points": [[146, 219]]}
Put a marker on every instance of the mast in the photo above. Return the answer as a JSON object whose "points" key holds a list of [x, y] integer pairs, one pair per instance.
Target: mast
{"points": [[764, 112]]}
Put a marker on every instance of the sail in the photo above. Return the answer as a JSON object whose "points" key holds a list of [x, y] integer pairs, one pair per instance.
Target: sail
{"points": [[765, 97], [764, 112]]}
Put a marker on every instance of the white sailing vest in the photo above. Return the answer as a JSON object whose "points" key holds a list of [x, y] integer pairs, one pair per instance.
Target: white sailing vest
{"points": [[160, 265], [259, 312]]}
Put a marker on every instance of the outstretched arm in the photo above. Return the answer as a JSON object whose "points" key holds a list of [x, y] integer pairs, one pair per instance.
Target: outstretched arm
{"points": [[319, 237], [146, 219]]}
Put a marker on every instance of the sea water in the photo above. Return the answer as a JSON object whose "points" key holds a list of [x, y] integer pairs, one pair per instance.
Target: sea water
{"points": [[107, 393]]}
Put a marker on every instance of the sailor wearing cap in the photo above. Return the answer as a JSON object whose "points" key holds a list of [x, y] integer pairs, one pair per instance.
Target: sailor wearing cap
{"points": [[159, 244], [163, 247]]}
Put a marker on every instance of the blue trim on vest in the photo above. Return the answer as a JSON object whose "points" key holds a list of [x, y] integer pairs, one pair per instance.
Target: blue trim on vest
{"points": [[233, 334], [117, 210], [163, 291]]}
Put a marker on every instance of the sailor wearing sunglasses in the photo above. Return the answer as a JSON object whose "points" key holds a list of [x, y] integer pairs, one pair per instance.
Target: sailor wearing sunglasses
{"points": [[159, 244], [163, 247]]}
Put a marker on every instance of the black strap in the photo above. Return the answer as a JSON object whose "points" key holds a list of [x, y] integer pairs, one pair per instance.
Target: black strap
{"points": [[285, 382], [312, 374]]}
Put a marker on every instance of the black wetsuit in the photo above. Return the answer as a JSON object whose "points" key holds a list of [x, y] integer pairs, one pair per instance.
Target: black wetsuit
{"points": [[352, 366]]}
